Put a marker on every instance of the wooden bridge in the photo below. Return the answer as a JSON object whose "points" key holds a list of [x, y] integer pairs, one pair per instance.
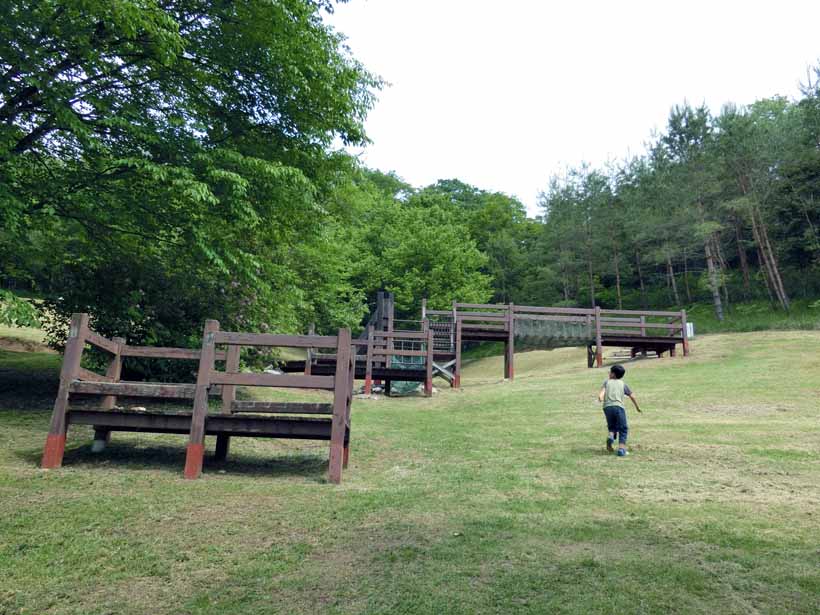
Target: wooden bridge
{"points": [[416, 351], [639, 331]]}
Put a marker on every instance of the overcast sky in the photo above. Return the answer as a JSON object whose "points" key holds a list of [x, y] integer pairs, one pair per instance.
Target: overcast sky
{"points": [[504, 93]]}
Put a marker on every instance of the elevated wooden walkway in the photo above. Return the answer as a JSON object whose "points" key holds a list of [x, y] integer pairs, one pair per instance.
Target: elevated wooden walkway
{"points": [[639, 331]]}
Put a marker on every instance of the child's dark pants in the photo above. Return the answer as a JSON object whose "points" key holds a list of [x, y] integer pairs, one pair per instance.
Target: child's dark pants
{"points": [[616, 422]]}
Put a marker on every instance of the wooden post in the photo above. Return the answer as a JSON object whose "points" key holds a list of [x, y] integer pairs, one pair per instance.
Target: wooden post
{"points": [[309, 352], [223, 442], [368, 367], [509, 372], [103, 436], [599, 342], [340, 397], [195, 454], [55, 441], [424, 308], [685, 336], [457, 370], [428, 382], [349, 402]]}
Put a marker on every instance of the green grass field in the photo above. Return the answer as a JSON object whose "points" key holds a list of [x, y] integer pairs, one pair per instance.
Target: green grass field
{"points": [[499, 498]]}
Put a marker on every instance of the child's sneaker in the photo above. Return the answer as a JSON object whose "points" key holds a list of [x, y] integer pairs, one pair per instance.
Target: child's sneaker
{"points": [[622, 452], [609, 443]]}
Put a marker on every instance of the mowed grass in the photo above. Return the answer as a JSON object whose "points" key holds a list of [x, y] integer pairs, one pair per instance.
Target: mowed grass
{"points": [[495, 499]]}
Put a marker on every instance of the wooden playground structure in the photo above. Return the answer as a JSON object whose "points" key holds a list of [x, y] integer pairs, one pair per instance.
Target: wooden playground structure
{"points": [[236, 418], [388, 351], [419, 350]]}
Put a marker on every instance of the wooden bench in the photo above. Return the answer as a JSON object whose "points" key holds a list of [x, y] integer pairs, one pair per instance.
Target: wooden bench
{"points": [[236, 418]]}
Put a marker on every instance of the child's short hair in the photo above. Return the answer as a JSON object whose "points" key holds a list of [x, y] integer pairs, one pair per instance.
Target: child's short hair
{"points": [[618, 371]]}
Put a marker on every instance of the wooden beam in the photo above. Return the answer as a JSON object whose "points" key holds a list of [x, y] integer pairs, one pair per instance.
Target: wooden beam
{"points": [[266, 339], [287, 381], [95, 339], [340, 401], [278, 407], [599, 348], [55, 441], [113, 373], [195, 454], [134, 389]]}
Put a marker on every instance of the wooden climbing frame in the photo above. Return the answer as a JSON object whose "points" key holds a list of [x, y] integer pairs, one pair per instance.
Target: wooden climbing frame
{"points": [[236, 418]]}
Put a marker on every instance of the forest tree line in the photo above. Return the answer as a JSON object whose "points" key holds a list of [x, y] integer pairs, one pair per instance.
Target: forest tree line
{"points": [[155, 177]]}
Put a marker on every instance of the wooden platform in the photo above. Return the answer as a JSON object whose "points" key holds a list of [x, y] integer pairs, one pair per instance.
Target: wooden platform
{"points": [[245, 425]]}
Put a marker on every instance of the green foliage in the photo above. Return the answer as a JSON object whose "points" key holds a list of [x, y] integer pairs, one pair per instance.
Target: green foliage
{"points": [[17, 312]]}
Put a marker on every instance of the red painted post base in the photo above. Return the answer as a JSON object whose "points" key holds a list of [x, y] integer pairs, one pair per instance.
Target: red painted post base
{"points": [[456, 381], [368, 386], [428, 389], [345, 456], [53, 452], [194, 459], [599, 359]]}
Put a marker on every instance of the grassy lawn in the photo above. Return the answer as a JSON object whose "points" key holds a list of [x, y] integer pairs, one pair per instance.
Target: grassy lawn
{"points": [[495, 499]]}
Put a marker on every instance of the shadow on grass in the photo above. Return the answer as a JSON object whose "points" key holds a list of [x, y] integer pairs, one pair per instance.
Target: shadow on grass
{"points": [[171, 459]]}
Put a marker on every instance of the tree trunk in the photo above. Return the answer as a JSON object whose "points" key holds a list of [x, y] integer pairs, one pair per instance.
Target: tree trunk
{"points": [[640, 279], [670, 272], [778, 280], [714, 281], [762, 267], [724, 269], [766, 251], [686, 277], [744, 262]]}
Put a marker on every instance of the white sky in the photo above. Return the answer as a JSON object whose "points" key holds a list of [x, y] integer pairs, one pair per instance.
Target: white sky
{"points": [[502, 94]]}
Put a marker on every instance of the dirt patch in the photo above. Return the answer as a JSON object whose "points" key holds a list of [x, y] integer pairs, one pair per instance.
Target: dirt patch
{"points": [[16, 344]]}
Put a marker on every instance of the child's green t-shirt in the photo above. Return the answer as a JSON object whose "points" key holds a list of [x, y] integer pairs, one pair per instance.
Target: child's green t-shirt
{"points": [[614, 391]]}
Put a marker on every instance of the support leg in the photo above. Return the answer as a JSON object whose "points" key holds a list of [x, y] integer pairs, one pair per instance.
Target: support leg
{"points": [[223, 445], [55, 441], [101, 439], [346, 455]]}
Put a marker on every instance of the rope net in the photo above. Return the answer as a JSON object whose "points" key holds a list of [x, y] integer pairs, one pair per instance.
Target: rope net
{"points": [[542, 333]]}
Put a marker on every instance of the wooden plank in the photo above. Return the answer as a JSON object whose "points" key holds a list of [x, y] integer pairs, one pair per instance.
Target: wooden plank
{"points": [[75, 344], [95, 339], [510, 356], [267, 339], [552, 317], [642, 313], [471, 327], [290, 381], [479, 306], [195, 453], [231, 366], [599, 351], [310, 428], [523, 309], [428, 364], [276, 407], [89, 376], [639, 325], [399, 353], [341, 399], [412, 335], [134, 389], [439, 312], [623, 333], [368, 374], [113, 372], [496, 316]]}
